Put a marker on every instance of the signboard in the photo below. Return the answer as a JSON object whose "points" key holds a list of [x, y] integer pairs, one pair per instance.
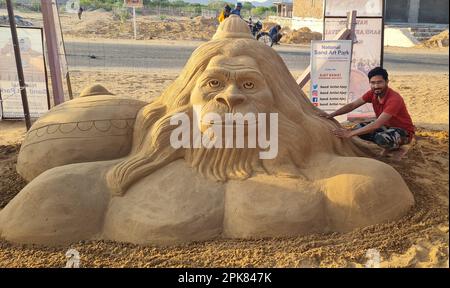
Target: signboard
{"points": [[134, 3], [367, 46], [366, 56], [330, 70], [31, 50], [364, 8]]}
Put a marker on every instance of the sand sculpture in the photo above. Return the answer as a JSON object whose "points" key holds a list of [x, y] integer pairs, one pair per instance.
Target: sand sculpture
{"points": [[145, 191]]}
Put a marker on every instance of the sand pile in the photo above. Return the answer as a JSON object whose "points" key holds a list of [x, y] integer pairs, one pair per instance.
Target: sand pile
{"points": [[10, 182], [267, 25], [420, 239], [303, 35], [99, 24], [105, 25], [199, 20], [439, 40]]}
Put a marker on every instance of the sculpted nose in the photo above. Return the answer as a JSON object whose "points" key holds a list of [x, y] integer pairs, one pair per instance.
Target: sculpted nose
{"points": [[230, 100]]}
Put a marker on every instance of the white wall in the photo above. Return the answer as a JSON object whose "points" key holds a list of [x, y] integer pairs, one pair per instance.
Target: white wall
{"points": [[314, 24]]}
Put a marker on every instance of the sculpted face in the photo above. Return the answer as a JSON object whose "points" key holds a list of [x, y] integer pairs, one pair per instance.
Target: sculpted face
{"points": [[231, 85]]}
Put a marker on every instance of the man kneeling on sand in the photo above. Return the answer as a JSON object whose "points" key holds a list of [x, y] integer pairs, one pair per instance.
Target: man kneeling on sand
{"points": [[393, 126]]}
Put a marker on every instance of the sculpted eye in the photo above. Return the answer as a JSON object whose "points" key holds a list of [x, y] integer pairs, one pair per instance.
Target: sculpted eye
{"points": [[214, 83], [248, 85]]}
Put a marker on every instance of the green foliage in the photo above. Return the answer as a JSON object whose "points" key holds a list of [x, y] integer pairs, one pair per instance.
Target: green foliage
{"points": [[218, 5], [247, 6], [165, 3], [120, 12], [195, 7], [261, 11], [36, 6], [23, 6], [108, 5], [179, 3]]}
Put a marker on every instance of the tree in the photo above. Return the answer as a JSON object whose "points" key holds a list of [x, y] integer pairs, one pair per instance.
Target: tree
{"points": [[259, 11], [247, 6], [217, 5]]}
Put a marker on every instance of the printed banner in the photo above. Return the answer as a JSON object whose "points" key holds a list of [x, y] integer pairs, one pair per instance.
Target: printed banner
{"points": [[30, 43], [330, 70], [364, 8]]}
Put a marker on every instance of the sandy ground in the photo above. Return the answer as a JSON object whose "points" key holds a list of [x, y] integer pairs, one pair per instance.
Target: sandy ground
{"points": [[420, 239], [103, 25]]}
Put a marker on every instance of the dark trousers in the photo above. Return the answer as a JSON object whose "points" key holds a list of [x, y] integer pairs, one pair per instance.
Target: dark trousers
{"points": [[386, 137], [276, 38]]}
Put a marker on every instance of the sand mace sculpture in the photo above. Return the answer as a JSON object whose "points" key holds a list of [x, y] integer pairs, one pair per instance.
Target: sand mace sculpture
{"points": [[102, 166]]}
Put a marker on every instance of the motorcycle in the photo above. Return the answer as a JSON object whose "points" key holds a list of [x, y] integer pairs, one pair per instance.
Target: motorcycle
{"points": [[255, 28]]}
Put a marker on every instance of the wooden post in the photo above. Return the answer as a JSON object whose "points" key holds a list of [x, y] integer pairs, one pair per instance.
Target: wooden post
{"points": [[22, 85], [134, 22], [351, 23], [52, 51], [345, 34]]}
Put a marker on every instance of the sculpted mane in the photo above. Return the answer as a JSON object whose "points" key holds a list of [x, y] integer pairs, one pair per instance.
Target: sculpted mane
{"points": [[302, 132]]}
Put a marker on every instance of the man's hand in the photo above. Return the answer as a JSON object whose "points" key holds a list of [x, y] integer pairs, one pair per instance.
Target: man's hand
{"points": [[324, 114], [342, 133]]}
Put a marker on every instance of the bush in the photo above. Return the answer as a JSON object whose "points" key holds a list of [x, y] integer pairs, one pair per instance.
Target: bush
{"points": [[36, 6], [218, 5], [108, 5], [121, 13]]}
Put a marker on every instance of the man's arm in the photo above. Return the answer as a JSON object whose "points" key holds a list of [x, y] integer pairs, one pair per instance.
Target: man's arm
{"points": [[345, 109], [344, 133]]}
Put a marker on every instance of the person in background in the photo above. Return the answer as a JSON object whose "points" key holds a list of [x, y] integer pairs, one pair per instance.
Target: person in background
{"points": [[275, 34], [225, 13], [80, 11], [237, 9]]}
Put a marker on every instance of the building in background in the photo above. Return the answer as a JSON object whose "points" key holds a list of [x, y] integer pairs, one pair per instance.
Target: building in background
{"points": [[416, 11], [407, 21], [284, 8], [396, 11]]}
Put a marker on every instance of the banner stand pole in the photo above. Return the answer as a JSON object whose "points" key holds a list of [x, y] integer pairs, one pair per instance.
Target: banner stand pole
{"points": [[134, 22], [52, 51], [22, 85]]}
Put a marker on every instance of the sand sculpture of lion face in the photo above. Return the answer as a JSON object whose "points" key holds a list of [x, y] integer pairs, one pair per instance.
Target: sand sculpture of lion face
{"points": [[157, 194]]}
